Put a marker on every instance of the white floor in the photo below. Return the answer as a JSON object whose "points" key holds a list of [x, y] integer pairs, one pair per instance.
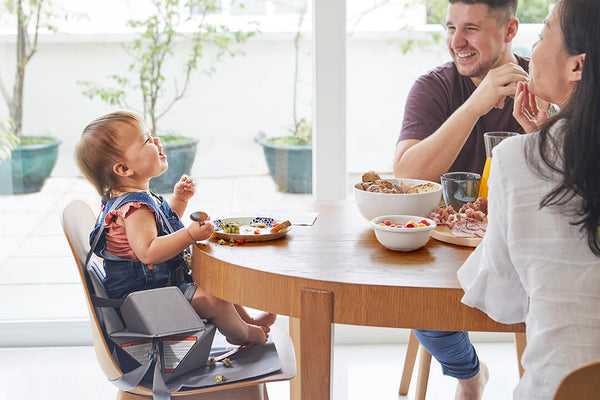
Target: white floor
{"points": [[360, 372], [35, 258]]}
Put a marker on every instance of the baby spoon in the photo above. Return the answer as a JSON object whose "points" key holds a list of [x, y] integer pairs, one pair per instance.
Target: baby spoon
{"points": [[199, 216]]}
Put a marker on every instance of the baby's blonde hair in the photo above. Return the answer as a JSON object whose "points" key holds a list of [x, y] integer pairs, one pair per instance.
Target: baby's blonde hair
{"points": [[98, 150]]}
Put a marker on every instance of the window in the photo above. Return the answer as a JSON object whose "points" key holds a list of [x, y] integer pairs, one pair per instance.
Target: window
{"points": [[230, 101]]}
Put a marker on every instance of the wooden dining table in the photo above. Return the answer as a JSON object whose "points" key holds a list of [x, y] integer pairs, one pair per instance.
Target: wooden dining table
{"points": [[335, 271]]}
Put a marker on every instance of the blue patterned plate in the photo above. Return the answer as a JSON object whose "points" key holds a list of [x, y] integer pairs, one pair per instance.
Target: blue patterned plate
{"points": [[253, 229]]}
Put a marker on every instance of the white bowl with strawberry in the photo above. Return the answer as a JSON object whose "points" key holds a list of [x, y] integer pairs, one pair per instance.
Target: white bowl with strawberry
{"points": [[402, 232]]}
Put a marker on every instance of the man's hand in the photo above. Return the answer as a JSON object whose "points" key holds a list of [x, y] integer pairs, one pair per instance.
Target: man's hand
{"points": [[184, 189], [526, 110], [499, 83]]}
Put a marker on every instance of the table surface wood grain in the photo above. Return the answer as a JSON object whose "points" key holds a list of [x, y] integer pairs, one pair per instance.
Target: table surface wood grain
{"points": [[337, 266]]}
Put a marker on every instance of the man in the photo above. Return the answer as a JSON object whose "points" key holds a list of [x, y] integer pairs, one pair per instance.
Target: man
{"points": [[447, 112], [448, 109]]}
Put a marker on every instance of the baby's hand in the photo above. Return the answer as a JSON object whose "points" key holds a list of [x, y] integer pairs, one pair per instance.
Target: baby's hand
{"points": [[184, 189], [201, 230]]}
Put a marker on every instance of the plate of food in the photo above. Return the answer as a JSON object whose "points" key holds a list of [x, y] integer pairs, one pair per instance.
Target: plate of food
{"points": [[463, 228], [250, 229]]}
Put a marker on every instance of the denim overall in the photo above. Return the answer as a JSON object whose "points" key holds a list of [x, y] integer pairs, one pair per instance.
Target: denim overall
{"points": [[125, 276]]}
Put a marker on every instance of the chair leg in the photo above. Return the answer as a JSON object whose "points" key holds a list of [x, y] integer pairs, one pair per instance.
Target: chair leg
{"points": [[423, 376], [521, 343], [409, 363]]}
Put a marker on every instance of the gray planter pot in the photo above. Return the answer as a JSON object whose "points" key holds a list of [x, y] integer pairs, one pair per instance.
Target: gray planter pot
{"points": [[29, 166], [290, 166], [181, 158]]}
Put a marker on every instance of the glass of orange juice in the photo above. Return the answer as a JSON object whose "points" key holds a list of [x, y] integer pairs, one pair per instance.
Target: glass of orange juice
{"points": [[491, 139]]}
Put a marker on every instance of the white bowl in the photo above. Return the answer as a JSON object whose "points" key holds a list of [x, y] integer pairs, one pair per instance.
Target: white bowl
{"points": [[402, 239], [373, 204]]}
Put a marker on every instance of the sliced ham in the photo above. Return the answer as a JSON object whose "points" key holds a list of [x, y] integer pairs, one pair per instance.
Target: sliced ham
{"points": [[470, 221]]}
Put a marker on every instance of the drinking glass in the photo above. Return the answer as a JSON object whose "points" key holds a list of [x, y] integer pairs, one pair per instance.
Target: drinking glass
{"points": [[491, 139], [459, 188]]}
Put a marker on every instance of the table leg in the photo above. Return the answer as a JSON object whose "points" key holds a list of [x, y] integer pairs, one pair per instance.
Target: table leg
{"points": [[295, 392], [316, 340]]}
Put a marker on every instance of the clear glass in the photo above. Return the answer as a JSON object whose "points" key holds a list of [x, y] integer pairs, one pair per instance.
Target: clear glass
{"points": [[491, 139], [459, 188]]}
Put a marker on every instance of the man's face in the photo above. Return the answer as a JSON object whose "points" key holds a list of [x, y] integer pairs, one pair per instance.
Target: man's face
{"points": [[476, 39]]}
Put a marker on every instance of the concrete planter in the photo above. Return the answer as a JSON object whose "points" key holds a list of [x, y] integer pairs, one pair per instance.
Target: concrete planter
{"points": [[181, 158], [290, 166], [29, 166]]}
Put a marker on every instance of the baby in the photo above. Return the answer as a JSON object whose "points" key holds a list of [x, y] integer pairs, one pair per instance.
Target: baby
{"points": [[118, 155]]}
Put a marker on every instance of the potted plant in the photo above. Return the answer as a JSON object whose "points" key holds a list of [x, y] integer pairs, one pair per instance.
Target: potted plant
{"points": [[155, 43], [289, 158], [31, 158]]}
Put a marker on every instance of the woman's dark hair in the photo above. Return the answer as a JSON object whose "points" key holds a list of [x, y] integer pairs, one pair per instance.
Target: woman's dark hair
{"points": [[574, 154]]}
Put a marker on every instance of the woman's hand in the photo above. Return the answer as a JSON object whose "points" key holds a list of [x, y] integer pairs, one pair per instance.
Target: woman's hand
{"points": [[184, 189], [526, 110]]}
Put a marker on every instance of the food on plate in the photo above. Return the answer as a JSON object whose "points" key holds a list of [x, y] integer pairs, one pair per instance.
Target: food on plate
{"points": [[231, 227], [470, 221], [258, 225], [281, 226], [372, 182]]}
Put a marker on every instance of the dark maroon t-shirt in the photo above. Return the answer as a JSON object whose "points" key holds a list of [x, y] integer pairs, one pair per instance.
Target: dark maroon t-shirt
{"points": [[436, 95]]}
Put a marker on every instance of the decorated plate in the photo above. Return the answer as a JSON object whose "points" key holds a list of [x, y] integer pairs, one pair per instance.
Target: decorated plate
{"points": [[252, 229], [444, 234]]}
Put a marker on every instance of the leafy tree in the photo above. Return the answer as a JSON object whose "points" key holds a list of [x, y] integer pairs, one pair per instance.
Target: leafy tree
{"points": [[155, 44], [30, 16]]}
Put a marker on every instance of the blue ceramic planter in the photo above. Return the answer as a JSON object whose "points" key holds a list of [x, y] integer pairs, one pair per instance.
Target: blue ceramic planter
{"points": [[30, 166], [181, 158], [290, 166]]}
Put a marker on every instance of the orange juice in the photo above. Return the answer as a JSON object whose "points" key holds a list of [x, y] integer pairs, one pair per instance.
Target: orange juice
{"points": [[483, 187]]}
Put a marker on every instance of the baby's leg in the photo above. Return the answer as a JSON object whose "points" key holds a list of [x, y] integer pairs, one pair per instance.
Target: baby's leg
{"points": [[224, 315], [263, 319]]}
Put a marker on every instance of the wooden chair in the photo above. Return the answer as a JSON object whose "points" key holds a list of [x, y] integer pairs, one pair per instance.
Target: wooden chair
{"points": [[78, 221], [583, 383], [425, 364]]}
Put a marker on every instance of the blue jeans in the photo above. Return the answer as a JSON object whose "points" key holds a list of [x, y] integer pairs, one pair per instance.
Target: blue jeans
{"points": [[126, 276], [453, 350]]}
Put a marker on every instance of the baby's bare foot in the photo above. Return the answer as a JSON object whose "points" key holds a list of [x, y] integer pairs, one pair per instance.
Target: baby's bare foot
{"points": [[264, 319], [472, 388], [255, 334]]}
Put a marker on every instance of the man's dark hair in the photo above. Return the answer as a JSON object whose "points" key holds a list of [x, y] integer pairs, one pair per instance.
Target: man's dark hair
{"points": [[508, 8]]}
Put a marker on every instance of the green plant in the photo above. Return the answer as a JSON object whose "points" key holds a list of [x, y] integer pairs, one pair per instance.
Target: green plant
{"points": [[30, 16], [529, 11], [533, 11], [158, 36], [301, 128]]}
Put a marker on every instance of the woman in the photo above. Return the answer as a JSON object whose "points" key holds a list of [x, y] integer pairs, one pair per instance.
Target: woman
{"points": [[540, 259]]}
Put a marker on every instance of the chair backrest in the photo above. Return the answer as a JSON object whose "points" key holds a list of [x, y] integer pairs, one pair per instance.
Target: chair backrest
{"points": [[583, 383], [78, 221]]}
